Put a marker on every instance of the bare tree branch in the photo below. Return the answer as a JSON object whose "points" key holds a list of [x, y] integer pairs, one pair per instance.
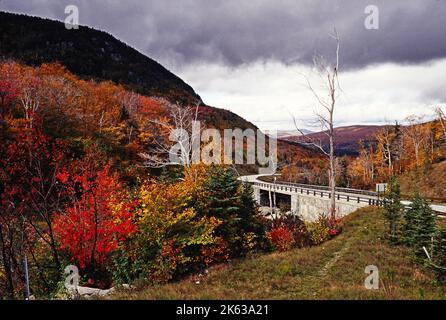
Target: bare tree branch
{"points": [[329, 78]]}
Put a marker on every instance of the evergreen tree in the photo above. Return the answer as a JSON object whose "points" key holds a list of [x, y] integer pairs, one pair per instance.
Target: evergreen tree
{"points": [[393, 209], [232, 202], [420, 226], [439, 255]]}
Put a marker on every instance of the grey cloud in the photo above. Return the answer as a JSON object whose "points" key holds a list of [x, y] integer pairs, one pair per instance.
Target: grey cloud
{"points": [[237, 32]]}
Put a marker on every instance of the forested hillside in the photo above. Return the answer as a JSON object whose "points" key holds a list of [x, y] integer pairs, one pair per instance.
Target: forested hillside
{"points": [[75, 187], [95, 55], [414, 151], [90, 54]]}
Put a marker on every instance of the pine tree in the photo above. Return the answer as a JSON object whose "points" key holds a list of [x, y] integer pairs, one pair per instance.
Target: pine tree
{"points": [[439, 255], [223, 203], [410, 227], [393, 209], [420, 226], [232, 202]]}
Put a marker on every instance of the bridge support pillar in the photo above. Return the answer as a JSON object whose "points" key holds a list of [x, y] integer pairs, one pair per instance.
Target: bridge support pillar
{"points": [[256, 194], [295, 203]]}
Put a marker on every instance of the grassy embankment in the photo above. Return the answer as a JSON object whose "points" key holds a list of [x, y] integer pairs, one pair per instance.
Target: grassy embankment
{"points": [[334, 270], [429, 182]]}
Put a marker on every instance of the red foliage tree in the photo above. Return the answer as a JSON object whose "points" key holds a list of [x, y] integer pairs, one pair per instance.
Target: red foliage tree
{"points": [[97, 220], [8, 90], [29, 195]]}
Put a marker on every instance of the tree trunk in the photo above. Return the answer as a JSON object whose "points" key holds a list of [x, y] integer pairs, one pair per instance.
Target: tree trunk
{"points": [[270, 200], [332, 179], [7, 267]]}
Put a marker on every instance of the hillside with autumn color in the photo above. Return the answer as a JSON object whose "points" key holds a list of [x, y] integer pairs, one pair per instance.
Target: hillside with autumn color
{"points": [[93, 55], [348, 138], [81, 178], [88, 127], [88, 53]]}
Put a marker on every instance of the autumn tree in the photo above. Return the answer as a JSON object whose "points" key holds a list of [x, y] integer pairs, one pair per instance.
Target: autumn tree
{"points": [[96, 220], [8, 89], [30, 193], [171, 236], [389, 144], [60, 100], [416, 136], [30, 95], [178, 138], [441, 118], [363, 167]]}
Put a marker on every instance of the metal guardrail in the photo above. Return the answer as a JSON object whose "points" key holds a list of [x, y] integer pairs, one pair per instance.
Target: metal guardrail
{"points": [[325, 188], [347, 194], [309, 190]]}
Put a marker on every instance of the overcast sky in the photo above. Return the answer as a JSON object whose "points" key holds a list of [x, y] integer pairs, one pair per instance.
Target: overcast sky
{"points": [[250, 56]]}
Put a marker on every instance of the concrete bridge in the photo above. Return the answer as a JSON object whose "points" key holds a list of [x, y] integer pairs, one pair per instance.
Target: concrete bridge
{"points": [[309, 201]]}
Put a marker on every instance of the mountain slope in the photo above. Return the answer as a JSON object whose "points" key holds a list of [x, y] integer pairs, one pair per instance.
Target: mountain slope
{"points": [[88, 53], [347, 138], [93, 54]]}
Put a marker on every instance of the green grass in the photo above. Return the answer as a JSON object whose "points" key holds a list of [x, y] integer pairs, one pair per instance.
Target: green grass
{"points": [[333, 270]]}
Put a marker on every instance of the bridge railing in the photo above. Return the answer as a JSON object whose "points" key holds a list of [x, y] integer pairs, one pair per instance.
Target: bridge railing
{"points": [[372, 200], [316, 187], [367, 197]]}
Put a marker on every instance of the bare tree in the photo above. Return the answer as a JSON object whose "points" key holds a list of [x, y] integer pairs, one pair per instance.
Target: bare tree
{"points": [[442, 118], [416, 134], [328, 74], [366, 158], [30, 96], [177, 137], [385, 139]]}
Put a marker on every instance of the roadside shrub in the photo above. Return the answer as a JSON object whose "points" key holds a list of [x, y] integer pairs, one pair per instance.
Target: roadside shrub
{"points": [[282, 238], [219, 252], [287, 230], [320, 230], [184, 226]]}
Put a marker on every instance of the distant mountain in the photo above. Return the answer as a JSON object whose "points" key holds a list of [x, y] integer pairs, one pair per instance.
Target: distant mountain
{"points": [[284, 134], [347, 138], [88, 53]]}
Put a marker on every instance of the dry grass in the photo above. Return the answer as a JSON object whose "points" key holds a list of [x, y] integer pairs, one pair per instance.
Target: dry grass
{"points": [[334, 270], [429, 182]]}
